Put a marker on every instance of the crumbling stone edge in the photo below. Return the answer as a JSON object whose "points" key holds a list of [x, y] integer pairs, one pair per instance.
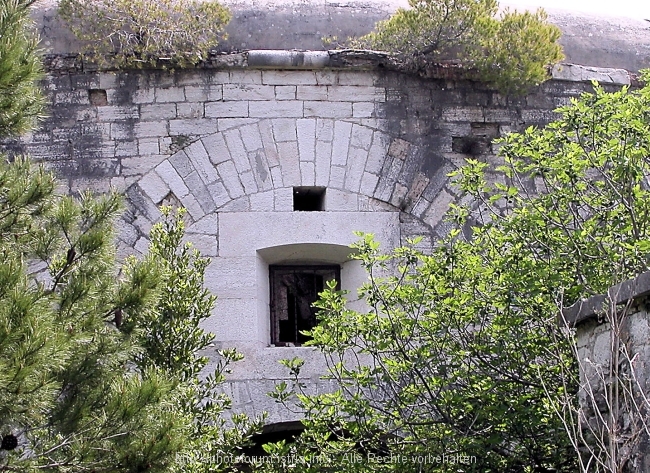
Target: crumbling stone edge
{"points": [[345, 59], [590, 309]]}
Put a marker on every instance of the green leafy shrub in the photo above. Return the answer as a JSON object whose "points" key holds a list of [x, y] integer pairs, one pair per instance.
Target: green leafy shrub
{"points": [[510, 50], [137, 33]]}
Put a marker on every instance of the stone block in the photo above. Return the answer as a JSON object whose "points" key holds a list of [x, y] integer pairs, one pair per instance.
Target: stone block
{"points": [[324, 130], [115, 113], [142, 246], [152, 185], [143, 96], [361, 137], [216, 148], [261, 170], [360, 78], [273, 108], [149, 129], [284, 129], [241, 204], [420, 207], [328, 109], [230, 123], [108, 80], [355, 168], [538, 116], [262, 201], [189, 110], [399, 148], [289, 78], [229, 324], [311, 92], [208, 225], [198, 156], [323, 163], [377, 153], [276, 176], [462, 114], [363, 109], [290, 163], [230, 179], [245, 76], [181, 163], [201, 93], [219, 193], [126, 148], [242, 92], [192, 126], [306, 130], [399, 193], [283, 199], [77, 97], [337, 177], [200, 192], [170, 94], [285, 92], [226, 109], [248, 181], [342, 93], [119, 131], [268, 143], [162, 111], [368, 184], [193, 207], [250, 135], [206, 244], [238, 153], [173, 180], [139, 165], [341, 201], [327, 77], [148, 146], [307, 173], [341, 143]]}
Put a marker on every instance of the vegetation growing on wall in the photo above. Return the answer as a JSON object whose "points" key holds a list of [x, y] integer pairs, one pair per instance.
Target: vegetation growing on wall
{"points": [[510, 50], [139, 33], [460, 354]]}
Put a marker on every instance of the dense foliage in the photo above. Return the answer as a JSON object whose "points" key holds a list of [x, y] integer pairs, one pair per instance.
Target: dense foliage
{"points": [[99, 368], [460, 355], [20, 67], [140, 33], [510, 50]]}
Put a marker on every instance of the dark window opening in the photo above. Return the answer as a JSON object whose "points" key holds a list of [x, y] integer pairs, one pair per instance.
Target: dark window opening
{"points": [[294, 289], [97, 97], [308, 199]]}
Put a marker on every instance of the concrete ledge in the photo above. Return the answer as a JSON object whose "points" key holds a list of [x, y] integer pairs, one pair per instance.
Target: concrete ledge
{"points": [[588, 309], [349, 59], [603, 75]]}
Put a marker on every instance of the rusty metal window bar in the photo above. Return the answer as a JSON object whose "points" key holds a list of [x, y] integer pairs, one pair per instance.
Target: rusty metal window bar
{"points": [[293, 291]]}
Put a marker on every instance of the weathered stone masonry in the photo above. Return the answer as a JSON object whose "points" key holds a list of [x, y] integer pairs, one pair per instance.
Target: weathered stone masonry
{"points": [[230, 143], [613, 353]]}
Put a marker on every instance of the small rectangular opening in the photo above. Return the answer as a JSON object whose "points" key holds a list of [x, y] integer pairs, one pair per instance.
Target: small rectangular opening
{"points": [[97, 97], [308, 199]]}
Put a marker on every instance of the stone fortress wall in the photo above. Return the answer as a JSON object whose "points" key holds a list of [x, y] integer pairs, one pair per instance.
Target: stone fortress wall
{"points": [[233, 141]]}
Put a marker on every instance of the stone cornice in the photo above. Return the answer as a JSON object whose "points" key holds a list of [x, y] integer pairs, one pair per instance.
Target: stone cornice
{"points": [[350, 59]]}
